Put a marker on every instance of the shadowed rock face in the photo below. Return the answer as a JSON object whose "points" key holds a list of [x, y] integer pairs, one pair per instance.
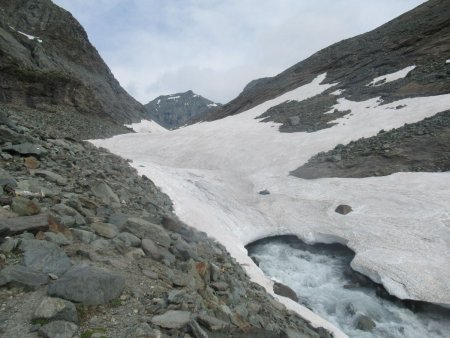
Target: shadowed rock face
{"points": [[174, 111], [55, 67], [419, 37]]}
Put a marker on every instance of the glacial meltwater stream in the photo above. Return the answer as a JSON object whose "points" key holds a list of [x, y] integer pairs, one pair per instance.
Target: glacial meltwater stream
{"points": [[321, 276]]}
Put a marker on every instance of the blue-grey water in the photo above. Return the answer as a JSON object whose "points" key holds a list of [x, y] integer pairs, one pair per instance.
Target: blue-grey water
{"points": [[320, 277]]}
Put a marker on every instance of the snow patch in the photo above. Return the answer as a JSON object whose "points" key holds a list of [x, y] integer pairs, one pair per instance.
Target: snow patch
{"points": [[173, 97], [381, 80], [448, 61], [30, 37], [212, 105], [146, 126], [338, 92]]}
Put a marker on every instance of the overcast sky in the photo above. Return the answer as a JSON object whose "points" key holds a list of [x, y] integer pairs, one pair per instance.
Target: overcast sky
{"points": [[215, 47]]}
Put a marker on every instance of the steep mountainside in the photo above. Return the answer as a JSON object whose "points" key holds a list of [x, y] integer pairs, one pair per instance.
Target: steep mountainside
{"points": [[419, 37], [47, 63], [174, 111], [405, 58]]}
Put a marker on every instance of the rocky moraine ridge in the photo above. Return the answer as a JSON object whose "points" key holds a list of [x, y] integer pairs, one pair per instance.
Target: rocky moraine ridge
{"points": [[91, 249]]}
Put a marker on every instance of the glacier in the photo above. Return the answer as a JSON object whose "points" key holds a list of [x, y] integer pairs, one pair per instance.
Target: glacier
{"points": [[400, 225]]}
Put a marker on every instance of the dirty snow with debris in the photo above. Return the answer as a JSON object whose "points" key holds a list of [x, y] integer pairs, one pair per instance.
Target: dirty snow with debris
{"points": [[146, 126], [213, 171]]}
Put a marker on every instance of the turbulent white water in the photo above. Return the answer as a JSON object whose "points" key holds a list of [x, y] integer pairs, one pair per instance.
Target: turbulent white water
{"points": [[318, 277]]}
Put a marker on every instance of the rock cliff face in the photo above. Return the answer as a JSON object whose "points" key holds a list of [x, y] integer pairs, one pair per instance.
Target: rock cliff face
{"points": [[47, 63], [174, 111]]}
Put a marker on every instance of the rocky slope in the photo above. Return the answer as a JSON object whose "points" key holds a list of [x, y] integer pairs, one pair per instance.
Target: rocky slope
{"points": [[89, 247], [48, 64], [174, 111], [416, 44]]}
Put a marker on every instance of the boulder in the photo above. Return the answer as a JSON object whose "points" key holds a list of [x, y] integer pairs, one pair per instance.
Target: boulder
{"points": [[105, 229], [144, 229], [58, 329], [364, 323], [24, 207], [172, 319], [51, 176], [105, 193], [22, 276], [43, 256], [88, 285], [26, 149], [56, 308], [285, 291], [127, 239], [343, 209]]}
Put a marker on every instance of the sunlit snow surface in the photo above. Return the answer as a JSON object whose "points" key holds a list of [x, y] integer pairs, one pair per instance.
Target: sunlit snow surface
{"points": [[391, 77], [213, 172]]}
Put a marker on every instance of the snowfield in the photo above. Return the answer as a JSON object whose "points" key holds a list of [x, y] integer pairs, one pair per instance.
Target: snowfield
{"points": [[391, 77], [213, 171]]}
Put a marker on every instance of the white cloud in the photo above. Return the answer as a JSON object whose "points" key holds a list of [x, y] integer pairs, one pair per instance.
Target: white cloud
{"points": [[216, 47]]}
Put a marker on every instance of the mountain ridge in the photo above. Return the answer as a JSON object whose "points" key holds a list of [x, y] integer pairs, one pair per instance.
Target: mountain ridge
{"points": [[180, 109], [48, 64]]}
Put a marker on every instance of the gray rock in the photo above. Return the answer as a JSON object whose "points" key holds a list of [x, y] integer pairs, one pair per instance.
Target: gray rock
{"points": [[285, 291], [56, 308], [8, 135], [9, 244], [101, 244], [364, 323], [264, 192], [51, 176], [105, 229], [57, 238], [88, 285], [26, 149], [43, 256], [143, 330], [185, 250], [151, 249], [58, 329], [22, 276], [7, 179], [343, 209], [196, 330], [127, 239], [84, 236], [67, 215], [24, 207], [212, 323], [177, 296], [172, 319], [119, 219], [220, 286], [144, 229], [105, 193]]}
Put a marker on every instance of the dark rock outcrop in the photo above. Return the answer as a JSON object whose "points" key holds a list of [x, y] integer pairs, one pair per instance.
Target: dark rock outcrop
{"points": [[177, 110], [48, 64]]}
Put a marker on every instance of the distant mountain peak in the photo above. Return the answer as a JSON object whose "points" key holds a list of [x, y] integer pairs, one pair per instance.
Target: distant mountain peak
{"points": [[179, 109]]}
